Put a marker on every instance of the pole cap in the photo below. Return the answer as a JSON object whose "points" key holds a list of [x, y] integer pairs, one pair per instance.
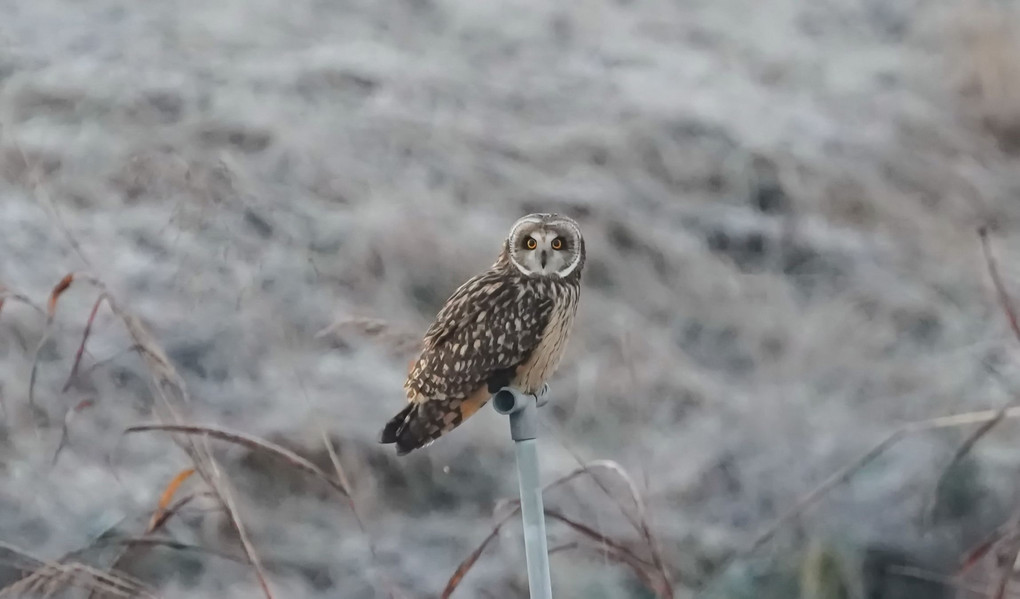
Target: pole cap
{"points": [[522, 410]]}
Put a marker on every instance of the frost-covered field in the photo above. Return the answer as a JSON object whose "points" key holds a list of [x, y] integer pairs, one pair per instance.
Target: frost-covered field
{"points": [[779, 198]]}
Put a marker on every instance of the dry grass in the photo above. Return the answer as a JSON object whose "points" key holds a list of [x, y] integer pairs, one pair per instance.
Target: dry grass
{"points": [[47, 578], [643, 557], [648, 568], [1002, 547], [289, 457], [169, 388], [44, 579], [736, 347], [1004, 544], [638, 552]]}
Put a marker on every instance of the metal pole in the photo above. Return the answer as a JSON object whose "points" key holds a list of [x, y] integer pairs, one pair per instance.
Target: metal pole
{"points": [[523, 412]]}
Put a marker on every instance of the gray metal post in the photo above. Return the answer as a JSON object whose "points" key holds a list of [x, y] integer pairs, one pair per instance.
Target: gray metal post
{"points": [[523, 412]]}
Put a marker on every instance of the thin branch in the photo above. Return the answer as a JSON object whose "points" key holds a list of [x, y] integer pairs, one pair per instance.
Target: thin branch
{"points": [[247, 441], [153, 541], [961, 452], [51, 312], [222, 489], [166, 383], [65, 429], [466, 565], [974, 554], [84, 338], [47, 578], [845, 473], [172, 511], [468, 562], [628, 556], [640, 523], [1000, 289], [167, 496], [837, 478], [7, 294]]}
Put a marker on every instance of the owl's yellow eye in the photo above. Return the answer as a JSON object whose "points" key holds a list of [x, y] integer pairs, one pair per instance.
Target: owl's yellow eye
{"points": [[557, 243], [531, 243]]}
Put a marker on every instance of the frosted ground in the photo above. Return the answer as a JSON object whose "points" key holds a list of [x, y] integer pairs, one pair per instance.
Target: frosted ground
{"points": [[780, 202]]}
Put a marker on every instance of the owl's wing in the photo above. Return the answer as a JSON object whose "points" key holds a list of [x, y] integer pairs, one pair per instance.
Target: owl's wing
{"points": [[487, 328], [491, 324]]}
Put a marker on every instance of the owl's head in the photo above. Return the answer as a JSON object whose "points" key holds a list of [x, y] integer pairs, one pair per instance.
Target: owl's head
{"points": [[545, 245]]}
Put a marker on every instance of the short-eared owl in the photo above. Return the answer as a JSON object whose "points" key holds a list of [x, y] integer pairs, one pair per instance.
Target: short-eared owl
{"points": [[505, 327]]}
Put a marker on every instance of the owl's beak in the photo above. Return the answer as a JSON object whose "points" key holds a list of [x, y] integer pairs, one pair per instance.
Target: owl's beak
{"points": [[543, 258]]}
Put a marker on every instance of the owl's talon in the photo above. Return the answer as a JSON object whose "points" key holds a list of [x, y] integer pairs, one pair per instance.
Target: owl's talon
{"points": [[542, 397]]}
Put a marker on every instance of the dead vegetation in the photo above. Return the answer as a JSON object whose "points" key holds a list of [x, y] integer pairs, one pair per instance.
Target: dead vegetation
{"points": [[989, 569], [42, 578], [173, 397], [49, 579], [639, 552], [746, 330], [643, 557]]}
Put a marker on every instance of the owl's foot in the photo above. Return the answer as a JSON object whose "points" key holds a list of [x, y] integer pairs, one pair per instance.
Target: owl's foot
{"points": [[542, 397]]}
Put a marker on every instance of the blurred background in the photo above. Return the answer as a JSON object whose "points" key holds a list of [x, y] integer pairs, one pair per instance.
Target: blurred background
{"points": [[780, 201]]}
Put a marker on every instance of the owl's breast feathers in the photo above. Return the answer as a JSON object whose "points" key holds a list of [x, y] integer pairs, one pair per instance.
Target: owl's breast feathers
{"points": [[496, 329], [492, 323]]}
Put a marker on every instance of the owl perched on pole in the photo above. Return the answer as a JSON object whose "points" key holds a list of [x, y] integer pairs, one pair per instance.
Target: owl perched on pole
{"points": [[506, 327]]}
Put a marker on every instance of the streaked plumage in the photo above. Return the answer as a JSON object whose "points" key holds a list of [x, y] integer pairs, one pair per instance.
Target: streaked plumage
{"points": [[505, 327]]}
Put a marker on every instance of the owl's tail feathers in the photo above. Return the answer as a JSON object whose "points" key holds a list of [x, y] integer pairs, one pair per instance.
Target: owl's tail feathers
{"points": [[422, 422], [397, 429], [414, 427]]}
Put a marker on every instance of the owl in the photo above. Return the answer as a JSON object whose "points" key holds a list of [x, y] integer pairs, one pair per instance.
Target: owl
{"points": [[506, 327]]}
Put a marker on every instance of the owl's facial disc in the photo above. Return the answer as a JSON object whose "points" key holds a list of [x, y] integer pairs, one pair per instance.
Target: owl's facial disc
{"points": [[544, 249]]}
